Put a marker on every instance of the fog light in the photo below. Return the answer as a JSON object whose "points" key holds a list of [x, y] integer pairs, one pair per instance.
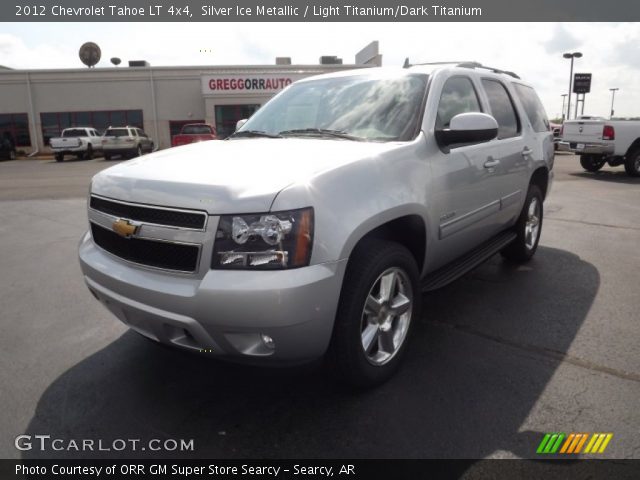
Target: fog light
{"points": [[268, 341]]}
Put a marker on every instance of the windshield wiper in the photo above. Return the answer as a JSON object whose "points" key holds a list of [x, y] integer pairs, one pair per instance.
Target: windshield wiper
{"points": [[321, 132], [254, 133]]}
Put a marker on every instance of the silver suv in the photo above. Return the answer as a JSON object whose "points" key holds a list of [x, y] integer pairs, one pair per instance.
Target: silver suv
{"points": [[313, 230], [126, 142]]}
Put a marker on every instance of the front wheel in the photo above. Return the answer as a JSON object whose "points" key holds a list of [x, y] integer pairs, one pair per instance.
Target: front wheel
{"points": [[59, 157], [379, 302], [528, 228], [591, 163], [12, 154], [632, 164], [88, 155]]}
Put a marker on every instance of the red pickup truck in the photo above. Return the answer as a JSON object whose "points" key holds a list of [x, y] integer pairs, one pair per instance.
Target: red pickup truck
{"points": [[194, 132]]}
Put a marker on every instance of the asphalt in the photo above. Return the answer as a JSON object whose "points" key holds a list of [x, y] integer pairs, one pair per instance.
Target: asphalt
{"points": [[499, 358]]}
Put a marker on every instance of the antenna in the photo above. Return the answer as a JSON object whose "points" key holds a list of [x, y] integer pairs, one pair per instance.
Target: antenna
{"points": [[90, 54]]}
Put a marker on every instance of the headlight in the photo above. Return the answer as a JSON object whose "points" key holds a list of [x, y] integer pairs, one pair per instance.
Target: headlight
{"points": [[268, 241]]}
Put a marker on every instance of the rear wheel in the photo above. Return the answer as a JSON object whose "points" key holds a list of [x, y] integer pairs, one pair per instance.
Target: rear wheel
{"points": [[379, 302], [528, 228], [88, 155], [139, 151], [632, 164], [591, 163], [107, 156], [12, 154]]}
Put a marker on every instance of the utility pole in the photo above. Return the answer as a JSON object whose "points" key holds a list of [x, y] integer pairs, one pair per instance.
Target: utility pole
{"points": [[613, 96]]}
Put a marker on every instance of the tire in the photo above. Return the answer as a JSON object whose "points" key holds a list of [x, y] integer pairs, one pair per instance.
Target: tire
{"points": [[591, 163], [12, 155], [88, 155], [107, 156], [59, 157], [151, 148], [528, 228], [139, 151], [373, 263], [632, 164]]}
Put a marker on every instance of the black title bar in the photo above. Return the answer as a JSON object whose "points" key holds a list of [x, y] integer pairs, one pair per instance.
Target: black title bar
{"points": [[317, 11]]}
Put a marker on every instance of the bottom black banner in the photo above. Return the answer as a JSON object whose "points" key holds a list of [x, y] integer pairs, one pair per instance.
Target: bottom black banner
{"points": [[315, 469]]}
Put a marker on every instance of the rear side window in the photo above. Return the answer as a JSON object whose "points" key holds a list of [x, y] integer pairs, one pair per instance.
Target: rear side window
{"points": [[533, 107], [75, 132], [502, 109], [458, 96]]}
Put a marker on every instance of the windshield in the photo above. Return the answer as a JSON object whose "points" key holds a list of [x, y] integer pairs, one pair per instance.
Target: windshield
{"points": [[116, 132], [363, 107]]}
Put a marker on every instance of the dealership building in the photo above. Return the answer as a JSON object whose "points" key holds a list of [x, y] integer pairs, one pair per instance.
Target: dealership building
{"points": [[38, 104]]}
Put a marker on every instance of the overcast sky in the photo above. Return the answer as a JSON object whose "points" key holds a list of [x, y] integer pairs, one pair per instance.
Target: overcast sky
{"points": [[534, 50]]}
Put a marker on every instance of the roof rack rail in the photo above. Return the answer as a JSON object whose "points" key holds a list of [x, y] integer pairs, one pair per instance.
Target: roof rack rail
{"points": [[492, 69], [463, 65], [407, 64]]}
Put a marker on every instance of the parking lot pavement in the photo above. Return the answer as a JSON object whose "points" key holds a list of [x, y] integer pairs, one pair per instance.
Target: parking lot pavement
{"points": [[499, 358]]}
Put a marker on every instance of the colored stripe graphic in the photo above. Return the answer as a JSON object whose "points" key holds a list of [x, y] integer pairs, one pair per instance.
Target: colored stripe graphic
{"points": [[574, 443]]}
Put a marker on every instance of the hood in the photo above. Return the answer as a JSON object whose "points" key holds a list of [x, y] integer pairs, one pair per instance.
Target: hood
{"points": [[234, 176]]}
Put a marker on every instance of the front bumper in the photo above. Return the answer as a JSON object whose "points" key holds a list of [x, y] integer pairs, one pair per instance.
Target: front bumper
{"points": [[586, 148], [223, 313]]}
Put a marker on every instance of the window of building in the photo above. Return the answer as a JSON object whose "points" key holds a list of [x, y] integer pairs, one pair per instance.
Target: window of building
{"points": [[54, 122], [175, 126], [458, 96], [15, 126], [228, 115], [502, 109]]}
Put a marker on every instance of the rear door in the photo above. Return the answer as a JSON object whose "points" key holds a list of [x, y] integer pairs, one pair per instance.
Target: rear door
{"points": [[510, 151]]}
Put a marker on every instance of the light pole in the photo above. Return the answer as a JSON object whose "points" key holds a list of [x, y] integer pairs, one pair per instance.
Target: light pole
{"points": [[613, 96], [571, 56], [564, 99]]}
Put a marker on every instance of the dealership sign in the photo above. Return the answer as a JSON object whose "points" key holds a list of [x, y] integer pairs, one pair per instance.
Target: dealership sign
{"points": [[581, 83], [245, 84]]}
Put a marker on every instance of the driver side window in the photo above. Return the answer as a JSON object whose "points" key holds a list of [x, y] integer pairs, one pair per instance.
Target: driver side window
{"points": [[458, 96]]}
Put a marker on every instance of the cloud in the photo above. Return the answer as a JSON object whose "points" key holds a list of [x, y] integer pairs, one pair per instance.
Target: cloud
{"points": [[627, 53], [561, 40]]}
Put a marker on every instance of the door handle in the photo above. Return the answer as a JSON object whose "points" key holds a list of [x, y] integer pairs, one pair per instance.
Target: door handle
{"points": [[526, 151], [491, 163]]}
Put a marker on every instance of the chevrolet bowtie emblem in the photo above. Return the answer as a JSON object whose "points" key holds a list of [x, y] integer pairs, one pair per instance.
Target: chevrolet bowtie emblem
{"points": [[124, 228]]}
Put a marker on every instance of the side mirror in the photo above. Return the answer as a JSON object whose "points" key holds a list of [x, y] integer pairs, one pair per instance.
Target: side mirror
{"points": [[466, 128], [240, 123]]}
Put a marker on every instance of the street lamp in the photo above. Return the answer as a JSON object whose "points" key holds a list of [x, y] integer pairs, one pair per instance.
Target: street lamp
{"points": [[564, 99], [613, 96], [571, 56]]}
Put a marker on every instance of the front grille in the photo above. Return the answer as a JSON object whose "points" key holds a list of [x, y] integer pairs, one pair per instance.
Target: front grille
{"points": [[153, 253], [157, 215]]}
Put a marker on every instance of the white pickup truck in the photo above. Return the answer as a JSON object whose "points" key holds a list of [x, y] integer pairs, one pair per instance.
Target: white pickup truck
{"points": [[82, 142], [599, 141]]}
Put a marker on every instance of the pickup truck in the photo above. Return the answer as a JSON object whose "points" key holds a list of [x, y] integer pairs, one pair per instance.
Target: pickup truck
{"points": [[599, 142], [194, 132], [82, 142], [314, 229]]}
